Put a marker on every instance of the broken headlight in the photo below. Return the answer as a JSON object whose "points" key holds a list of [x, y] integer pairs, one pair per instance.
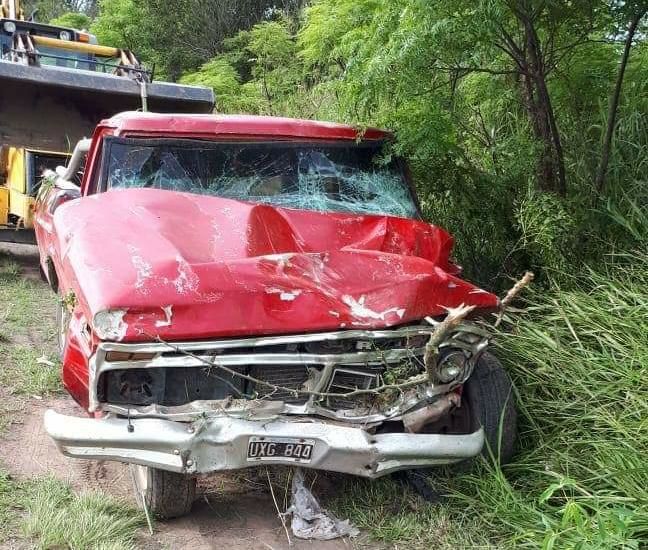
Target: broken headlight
{"points": [[451, 366]]}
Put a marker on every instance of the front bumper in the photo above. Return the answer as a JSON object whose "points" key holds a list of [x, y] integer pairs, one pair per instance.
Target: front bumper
{"points": [[220, 443]]}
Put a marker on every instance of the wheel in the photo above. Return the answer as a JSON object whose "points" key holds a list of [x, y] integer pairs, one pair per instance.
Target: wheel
{"points": [[166, 494], [489, 392], [488, 401]]}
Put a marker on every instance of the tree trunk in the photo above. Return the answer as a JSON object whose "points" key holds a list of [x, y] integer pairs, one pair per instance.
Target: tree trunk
{"points": [[552, 163], [545, 167], [614, 104]]}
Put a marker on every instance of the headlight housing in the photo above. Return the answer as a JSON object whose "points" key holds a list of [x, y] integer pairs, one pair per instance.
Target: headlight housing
{"points": [[9, 27], [452, 366], [65, 35]]}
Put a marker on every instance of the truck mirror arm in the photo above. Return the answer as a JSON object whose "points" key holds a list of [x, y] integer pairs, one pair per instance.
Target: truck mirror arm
{"points": [[68, 172]]}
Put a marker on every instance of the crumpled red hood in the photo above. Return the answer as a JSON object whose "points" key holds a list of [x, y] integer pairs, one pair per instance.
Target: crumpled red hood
{"points": [[183, 266]]}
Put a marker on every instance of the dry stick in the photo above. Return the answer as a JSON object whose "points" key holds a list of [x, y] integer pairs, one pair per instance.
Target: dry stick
{"points": [[279, 513], [453, 319], [142, 497], [512, 294]]}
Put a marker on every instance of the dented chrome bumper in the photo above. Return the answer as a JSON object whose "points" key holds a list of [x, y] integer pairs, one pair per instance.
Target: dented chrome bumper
{"points": [[221, 443]]}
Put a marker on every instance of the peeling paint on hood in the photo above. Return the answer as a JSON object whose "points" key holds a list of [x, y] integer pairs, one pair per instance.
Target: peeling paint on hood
{"points": [[194, 267]]}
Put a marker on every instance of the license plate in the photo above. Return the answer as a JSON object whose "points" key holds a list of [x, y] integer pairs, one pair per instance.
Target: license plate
{"points": [[276, 448]]}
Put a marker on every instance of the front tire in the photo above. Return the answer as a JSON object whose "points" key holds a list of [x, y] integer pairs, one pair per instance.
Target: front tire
{"points": [[489, 392], [489, 400], [166, 494]]}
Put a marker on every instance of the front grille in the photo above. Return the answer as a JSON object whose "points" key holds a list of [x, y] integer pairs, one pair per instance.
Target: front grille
{"points": [[288, 376], [167, 386], [348, 379], [176, 375]]}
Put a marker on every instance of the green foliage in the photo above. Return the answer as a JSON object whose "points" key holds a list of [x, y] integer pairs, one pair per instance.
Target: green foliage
{"points": [[7, 505], [577, 358], [119, 24], [394, 516], [222, 77], [26, 368], [56, 518], [267, 55], [547, 230], [72, 20]]}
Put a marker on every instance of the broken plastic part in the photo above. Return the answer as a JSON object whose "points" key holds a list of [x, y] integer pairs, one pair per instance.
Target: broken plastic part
{"points": [[309, 519], [109, 324]]}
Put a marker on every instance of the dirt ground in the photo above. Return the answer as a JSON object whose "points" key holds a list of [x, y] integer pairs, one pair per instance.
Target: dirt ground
{"points": [[231, 511]]}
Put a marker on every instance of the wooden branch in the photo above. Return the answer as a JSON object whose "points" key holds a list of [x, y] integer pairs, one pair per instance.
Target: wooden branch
{"points": [[409, 383], [469, 70], [441, 331], [513, 293]]}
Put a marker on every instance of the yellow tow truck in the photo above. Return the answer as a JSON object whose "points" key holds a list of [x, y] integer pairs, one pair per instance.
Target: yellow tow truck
{"points": [[21, 172], [56, 85]]}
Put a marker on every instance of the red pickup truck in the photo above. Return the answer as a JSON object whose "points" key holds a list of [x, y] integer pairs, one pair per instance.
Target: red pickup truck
{"points": [[239, 290]]}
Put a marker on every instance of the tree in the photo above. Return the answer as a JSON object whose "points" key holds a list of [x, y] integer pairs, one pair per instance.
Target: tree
{"points": [[183, 36], [120, 24], [635, 11], [47, 10], [73, 20], [257, 71]]}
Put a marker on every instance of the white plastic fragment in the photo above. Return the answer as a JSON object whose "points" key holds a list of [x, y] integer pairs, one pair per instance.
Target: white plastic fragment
{"points": [[309, 520], [109, 324], [42, 360]]}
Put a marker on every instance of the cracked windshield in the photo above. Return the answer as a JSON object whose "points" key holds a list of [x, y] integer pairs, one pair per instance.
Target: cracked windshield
{"points": [[322, 177]]}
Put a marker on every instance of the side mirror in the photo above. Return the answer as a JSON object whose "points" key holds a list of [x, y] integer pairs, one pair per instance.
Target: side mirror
{"points": [[55, 190], [60, 196], [66, 185]]}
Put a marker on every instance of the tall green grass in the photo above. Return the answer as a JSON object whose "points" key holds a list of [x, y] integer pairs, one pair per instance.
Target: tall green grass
{"points": [[58, 518], [45, 513], [578, 358]]}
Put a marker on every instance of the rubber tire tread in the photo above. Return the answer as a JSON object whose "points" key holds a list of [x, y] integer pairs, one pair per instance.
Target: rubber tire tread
{"points": [[490, 393], [170, 495]]}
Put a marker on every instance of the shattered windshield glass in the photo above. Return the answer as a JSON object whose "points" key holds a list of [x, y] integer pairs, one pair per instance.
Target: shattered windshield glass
{"points": [[339, 177]]}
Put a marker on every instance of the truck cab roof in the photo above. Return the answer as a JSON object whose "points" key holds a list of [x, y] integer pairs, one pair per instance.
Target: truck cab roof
{"points": [[134, 123]]}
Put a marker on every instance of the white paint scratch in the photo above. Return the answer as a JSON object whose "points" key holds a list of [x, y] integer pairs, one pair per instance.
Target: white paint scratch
{"points": [[358, 309], [282, 260], [284, 295], [143, 269], [187, 280], [478, 291], [168, 314]]}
